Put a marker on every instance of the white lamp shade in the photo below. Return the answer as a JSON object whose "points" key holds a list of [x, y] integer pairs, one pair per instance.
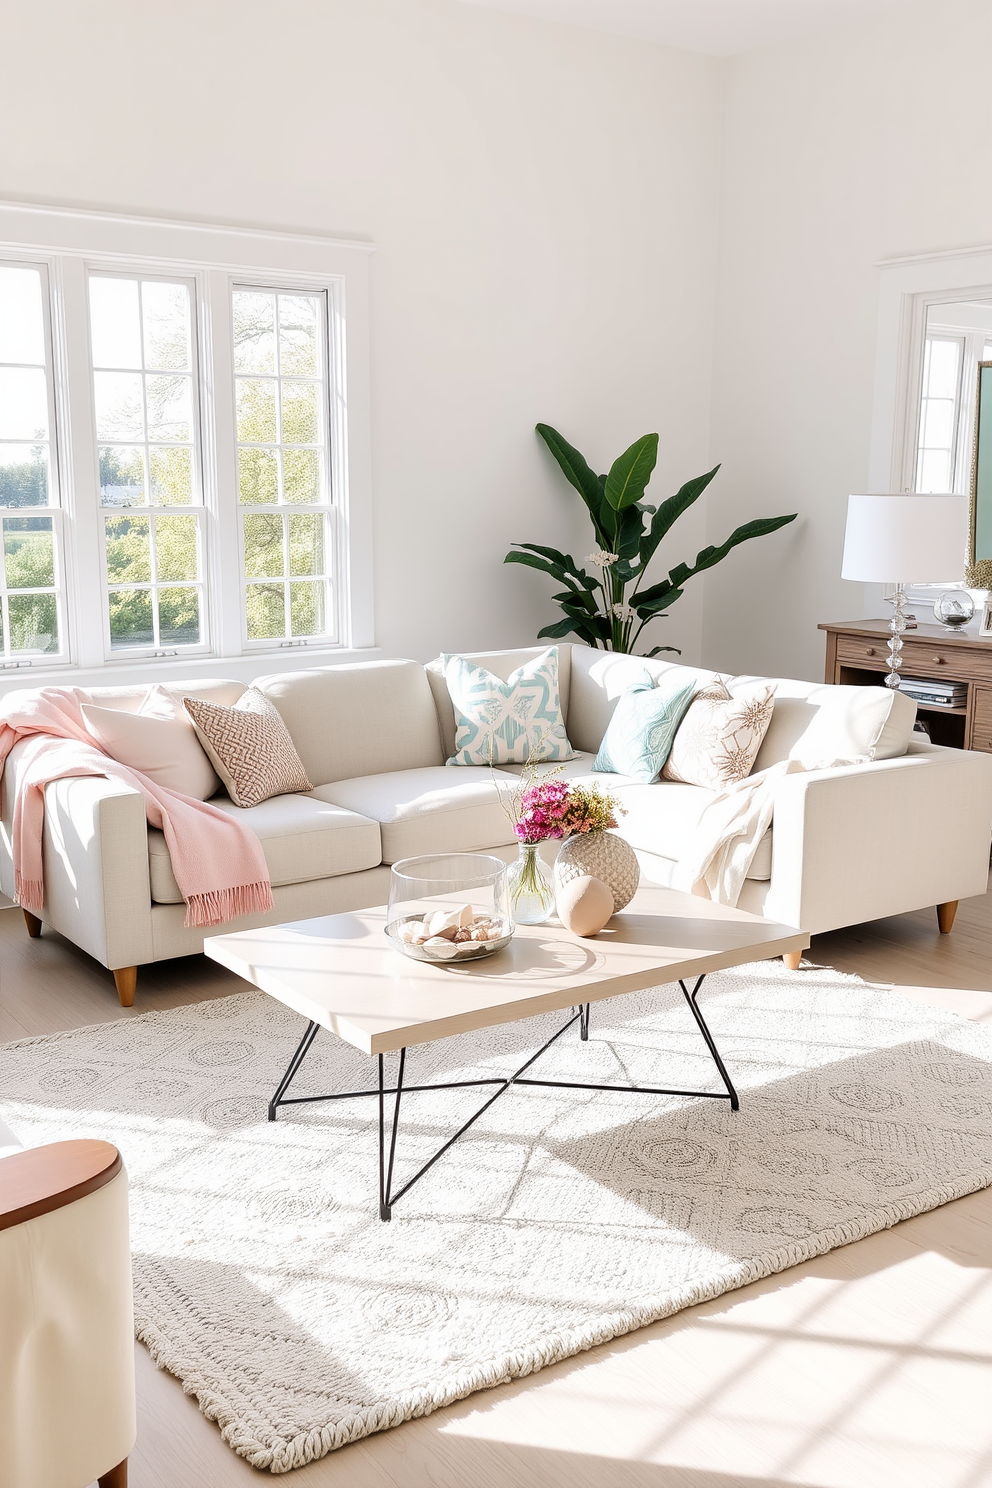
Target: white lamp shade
{"points": [[905, 539]]}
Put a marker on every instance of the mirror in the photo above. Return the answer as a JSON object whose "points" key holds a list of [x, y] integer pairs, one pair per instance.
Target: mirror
{"points": [[979, 571], [951, 447]]}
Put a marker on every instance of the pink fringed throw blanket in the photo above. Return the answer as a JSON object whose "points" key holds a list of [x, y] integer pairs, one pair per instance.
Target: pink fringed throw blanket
{"points": [[218, 862]]}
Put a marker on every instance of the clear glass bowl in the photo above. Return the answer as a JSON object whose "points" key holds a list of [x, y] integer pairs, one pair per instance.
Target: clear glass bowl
{"points": [[448, 907], [953, 609]]}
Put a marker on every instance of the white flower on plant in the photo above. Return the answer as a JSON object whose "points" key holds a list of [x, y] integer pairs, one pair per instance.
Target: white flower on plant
{"points": [[601, 558], [623, 611]]}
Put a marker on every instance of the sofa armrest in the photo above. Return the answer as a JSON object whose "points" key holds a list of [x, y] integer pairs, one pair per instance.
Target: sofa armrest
{"points": [[860, 842], [97, 892]]}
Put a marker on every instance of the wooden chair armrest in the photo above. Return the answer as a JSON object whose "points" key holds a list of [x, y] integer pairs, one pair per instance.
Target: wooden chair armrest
{"points": [[41, 1179]]}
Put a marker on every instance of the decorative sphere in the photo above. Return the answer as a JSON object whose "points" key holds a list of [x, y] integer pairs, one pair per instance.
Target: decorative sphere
{"points": [[601, 855], [953, 609], [584, 905]]}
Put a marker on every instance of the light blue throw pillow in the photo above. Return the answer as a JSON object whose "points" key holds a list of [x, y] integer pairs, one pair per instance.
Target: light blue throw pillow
{"points": [[506, 723], [639, 738]]}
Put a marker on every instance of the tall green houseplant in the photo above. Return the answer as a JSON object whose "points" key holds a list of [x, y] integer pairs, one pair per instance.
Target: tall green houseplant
{"points": [[610, 607]]}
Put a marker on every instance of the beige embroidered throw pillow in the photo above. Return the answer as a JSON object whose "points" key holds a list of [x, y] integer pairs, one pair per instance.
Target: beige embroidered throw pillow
{"points": [[250, 748], [719, 737]]}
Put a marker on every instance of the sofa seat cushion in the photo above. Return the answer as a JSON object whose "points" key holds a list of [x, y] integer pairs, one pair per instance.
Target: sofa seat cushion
{"points": [[661, 817], [436, 809], [302, 839]]}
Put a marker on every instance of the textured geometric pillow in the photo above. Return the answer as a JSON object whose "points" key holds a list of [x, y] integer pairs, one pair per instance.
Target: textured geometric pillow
{"points": [[721, 733], [506, 723], [639, 738], [249, 747]]}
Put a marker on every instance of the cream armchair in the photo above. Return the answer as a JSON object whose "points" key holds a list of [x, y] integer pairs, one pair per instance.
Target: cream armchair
{"points": [[67, 1413]]}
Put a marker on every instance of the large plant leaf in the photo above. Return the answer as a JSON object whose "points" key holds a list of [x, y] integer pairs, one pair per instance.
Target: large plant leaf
{"points": [[647, 605], [543, 565], [579, 474], [659, 649], [564, 561], [669, 512], [591, 633], [759, 527], [630, 473], [630, 525]]}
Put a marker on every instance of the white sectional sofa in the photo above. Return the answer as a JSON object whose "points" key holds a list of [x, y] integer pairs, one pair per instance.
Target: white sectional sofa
{"points": [[847, 844]]}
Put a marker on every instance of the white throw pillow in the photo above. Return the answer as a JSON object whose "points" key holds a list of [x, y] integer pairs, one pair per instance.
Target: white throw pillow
{"points": [[506, 723], [853, 725], [718, 739], [156, 742]]}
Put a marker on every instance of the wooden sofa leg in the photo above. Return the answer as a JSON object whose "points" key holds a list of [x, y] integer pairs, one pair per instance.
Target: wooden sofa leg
{"points": [[126, 979], [945, 916], [116, 1477], [33, 923], [792, 959]]}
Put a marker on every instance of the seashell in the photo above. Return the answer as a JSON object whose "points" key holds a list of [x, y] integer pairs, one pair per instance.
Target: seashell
{"points": [[585, 904], [408, 930], [461, 936], [466, 915], [440, 947], [419, 938], [480, 932], [444, 920]]}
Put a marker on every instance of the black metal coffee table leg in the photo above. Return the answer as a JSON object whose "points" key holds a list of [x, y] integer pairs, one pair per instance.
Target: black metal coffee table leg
{"points": [[387, 1154]]}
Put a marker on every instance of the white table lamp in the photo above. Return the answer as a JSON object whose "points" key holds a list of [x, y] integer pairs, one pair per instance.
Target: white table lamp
{"points": [[900, 540]]}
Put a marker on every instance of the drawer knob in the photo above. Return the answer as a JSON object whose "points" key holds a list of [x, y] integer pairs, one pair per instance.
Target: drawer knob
{"points": [[870, 651], [939, 660]]}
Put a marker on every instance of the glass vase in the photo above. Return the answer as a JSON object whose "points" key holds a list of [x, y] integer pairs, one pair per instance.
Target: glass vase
{"points": [[531, 887]]}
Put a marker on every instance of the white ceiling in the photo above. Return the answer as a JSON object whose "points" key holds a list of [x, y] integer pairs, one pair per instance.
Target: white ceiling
{"points": [[720, 27]]}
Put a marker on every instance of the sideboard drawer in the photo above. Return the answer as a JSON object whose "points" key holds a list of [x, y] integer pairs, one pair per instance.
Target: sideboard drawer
{"points": [[981, 733], [931, 659], [919, 658], [856, 651]]}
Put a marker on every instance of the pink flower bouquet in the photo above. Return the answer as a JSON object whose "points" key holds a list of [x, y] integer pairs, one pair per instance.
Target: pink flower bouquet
{"points": [[554, 809]]}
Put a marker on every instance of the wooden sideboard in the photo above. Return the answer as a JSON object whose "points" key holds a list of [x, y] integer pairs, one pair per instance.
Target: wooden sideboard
{"points": [[857, 652]]}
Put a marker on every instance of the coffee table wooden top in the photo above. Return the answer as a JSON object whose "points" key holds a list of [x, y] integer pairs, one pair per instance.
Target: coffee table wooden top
{"points": [[340, 971]]}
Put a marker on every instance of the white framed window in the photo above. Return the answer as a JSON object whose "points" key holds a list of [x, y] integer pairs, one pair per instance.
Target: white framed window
{"points": [[281, 378], [32, 625], [199, 483], [146, 400]]}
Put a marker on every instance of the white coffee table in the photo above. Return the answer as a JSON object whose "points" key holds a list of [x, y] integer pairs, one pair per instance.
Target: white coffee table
{"points": [[340, 973]]}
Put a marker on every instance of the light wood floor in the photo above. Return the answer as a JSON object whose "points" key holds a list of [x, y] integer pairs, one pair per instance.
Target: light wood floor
{"points": [[869, 1368]]}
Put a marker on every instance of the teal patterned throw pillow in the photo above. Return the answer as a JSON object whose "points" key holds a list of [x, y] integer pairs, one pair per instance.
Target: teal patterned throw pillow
{"points": [[506, 723], [639, 738]]}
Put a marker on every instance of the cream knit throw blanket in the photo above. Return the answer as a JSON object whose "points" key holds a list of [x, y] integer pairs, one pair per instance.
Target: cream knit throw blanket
{"points": [[729, 833], [218, 861]]}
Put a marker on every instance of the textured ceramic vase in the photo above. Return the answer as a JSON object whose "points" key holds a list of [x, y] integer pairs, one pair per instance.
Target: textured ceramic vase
{"points": [[601, 855]]}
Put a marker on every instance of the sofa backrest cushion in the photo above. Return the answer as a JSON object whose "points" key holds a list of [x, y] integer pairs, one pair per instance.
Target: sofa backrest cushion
{"points": [[820, 724], [129, 699], [596, 682], [362, 719], [501, 664]]}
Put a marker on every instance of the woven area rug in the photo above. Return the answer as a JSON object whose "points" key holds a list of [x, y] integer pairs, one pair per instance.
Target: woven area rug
{"points": [[265, 1280]]}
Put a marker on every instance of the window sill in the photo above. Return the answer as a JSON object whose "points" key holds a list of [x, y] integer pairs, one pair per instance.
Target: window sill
{"points": [[184, 669]]}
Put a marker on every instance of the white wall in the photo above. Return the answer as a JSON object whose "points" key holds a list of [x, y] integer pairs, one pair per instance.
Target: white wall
{"points": [[840, 150], [544, 199]]}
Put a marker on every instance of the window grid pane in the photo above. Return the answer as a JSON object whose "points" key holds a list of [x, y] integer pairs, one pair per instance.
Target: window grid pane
{"points": [[939, 413], [145, 397], [280, 360], [30, 545]]}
